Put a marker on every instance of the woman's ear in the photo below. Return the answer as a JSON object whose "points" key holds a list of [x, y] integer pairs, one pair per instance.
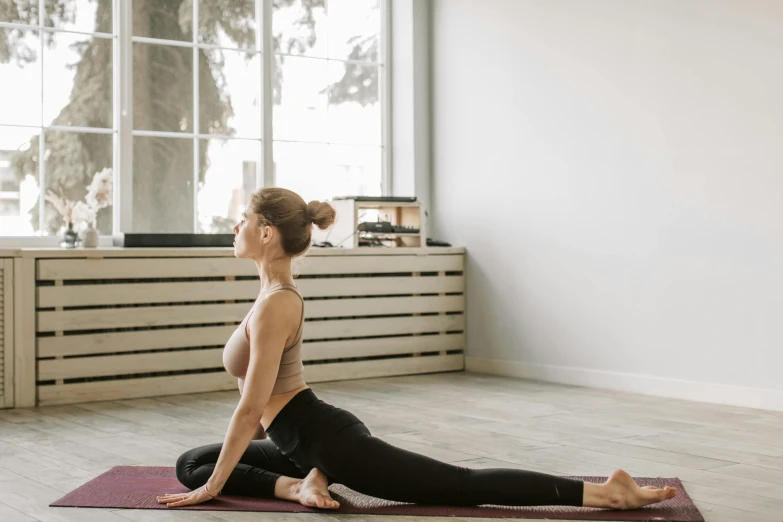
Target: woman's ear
{"points": [[267, 233]]}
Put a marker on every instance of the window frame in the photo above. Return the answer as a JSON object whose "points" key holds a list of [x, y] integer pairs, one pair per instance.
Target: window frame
{"points": [[122, 117], [41, 28]]}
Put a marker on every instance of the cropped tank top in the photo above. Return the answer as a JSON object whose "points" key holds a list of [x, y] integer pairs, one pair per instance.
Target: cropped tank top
{"points": [[236, 354]]}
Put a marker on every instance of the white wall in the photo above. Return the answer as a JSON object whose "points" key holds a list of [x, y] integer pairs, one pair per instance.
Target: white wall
{"points": [[615, 170]]}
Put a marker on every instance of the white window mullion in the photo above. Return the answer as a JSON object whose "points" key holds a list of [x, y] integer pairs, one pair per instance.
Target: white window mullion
{"points": [[260, 47], [123, 196], [328, 76], [384, 56], [116, 117], [163, 134], [13, 25], [42, 134], [182, 43], [196, 128], [189, 135], [268, 166], [340, 60], [75, 128]]}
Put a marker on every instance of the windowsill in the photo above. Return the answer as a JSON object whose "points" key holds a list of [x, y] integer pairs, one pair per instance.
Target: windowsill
{"points": [[17, 242], [104, 252]]}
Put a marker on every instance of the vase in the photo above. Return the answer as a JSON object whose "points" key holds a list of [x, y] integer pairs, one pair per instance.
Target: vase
{"points": [[90, 237], [70, 239]]}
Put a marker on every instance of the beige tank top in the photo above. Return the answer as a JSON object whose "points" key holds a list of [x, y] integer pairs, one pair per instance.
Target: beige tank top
{"points": [[236, 354]]}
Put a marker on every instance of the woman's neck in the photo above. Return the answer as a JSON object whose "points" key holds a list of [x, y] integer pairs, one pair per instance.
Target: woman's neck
{"points": [[273, 273]]}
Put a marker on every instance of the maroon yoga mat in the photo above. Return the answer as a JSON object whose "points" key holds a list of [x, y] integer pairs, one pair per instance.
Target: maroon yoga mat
{"points": [[137, 487]]}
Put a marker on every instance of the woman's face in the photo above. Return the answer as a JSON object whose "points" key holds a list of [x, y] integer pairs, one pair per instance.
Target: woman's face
{"points": [[248, 236]]}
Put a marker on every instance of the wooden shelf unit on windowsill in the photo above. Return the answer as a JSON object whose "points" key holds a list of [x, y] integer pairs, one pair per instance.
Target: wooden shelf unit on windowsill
{"points": [[350, 213]]}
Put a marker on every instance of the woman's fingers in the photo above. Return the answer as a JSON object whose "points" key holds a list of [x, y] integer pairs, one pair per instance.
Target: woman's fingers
{"points": [[197, 496], [185, 502], [169, 500], [171, 497]]}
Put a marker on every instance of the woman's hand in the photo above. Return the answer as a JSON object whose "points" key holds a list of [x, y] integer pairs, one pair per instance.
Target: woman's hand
{"points": [[197, 496]]}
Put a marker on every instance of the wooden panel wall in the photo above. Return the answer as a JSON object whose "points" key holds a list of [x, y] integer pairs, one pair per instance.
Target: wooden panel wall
{"points": [[121, 328], [6, 333]]}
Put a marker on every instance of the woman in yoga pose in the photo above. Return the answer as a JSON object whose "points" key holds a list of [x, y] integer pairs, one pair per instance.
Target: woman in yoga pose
{"points": [[312, 444]]}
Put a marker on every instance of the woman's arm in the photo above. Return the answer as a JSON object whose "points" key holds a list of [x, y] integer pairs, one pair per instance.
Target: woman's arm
{"points": [[269, 327], [260, 432]]}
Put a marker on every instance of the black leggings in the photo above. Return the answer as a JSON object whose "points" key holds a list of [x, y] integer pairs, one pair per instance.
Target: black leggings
{"points": [[309, 433]]}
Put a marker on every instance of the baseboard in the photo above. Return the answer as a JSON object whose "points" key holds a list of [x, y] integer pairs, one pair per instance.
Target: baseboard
{"points": [[633, 383]]}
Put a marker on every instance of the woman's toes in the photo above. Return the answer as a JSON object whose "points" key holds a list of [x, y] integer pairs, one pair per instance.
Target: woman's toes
{"points": [[651, 493], [324, 502]]}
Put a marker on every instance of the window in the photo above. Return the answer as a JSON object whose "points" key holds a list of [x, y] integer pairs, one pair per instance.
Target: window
{"points": [[56, 108], [327, 103], [188, 146]]}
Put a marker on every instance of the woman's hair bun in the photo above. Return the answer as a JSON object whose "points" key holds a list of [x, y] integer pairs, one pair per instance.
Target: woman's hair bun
{"points": [[321, 214]]}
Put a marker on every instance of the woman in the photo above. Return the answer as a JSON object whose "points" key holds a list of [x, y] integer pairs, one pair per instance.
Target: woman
{"points": [[312, 444]]}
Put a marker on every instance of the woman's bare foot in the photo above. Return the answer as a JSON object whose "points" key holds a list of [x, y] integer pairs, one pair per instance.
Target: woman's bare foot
{"points": [[313, 491], [622, 492]]}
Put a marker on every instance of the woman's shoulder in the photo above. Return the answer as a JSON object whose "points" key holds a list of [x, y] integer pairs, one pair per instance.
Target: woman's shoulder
{"points": [[276, 310]]}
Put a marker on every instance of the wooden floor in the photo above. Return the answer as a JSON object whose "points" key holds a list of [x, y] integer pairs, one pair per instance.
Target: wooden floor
{"points": [[730, 459]]}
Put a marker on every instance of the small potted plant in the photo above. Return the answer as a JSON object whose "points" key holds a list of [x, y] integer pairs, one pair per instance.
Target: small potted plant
{"points": [[99, 195], [65, 207]]}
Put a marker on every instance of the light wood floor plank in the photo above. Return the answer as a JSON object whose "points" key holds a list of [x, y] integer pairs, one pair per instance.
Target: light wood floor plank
{"points": [[9, 514], [752, 472], [641, 452], [736, 500], [39, 467], [87, 457], [730, 459], [33, 499], [723, 451], [717, 513]]}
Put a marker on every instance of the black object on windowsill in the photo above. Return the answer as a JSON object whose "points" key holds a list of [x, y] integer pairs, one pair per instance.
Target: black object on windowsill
{"points": [[143, 240], [437, 243], [381, 199]]}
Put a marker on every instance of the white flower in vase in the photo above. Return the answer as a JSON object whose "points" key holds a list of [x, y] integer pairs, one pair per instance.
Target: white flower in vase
{"points": [[99, 192], [82, 214], [63, 206]]}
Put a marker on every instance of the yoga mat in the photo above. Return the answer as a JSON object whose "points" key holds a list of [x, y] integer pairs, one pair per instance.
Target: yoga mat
{"points": [[136, 487]]}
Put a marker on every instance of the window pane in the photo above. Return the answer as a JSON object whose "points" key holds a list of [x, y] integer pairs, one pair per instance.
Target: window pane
{"points": [[78, 81], [301, 167], [300, 112], [299, 27], [19, 11], [72, 160], [87, 16], [163, 88], [20, 78], [354, 170], [162, 185], [354, 29], [318, 171], [164, 19], [228, 23], [230, 97], [18, 181], [229, 169], [354, 108]]}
